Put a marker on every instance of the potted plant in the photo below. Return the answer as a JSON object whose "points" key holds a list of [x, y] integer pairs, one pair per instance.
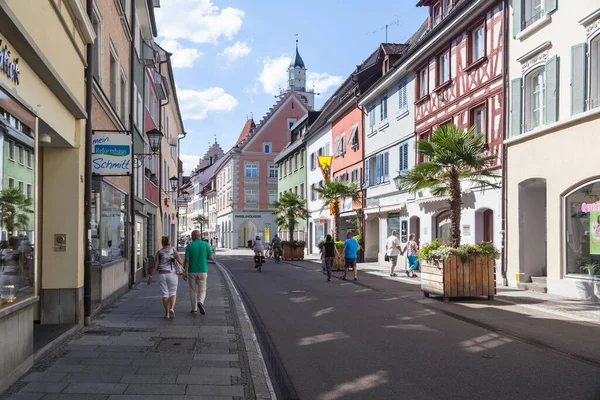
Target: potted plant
{"points": [[338, 263], [590, 268], [453, 156], [201, 220], [289, 210]]}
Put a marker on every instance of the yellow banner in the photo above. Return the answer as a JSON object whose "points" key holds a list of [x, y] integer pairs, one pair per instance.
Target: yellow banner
{"points": [[331, 210], [325, 165]]}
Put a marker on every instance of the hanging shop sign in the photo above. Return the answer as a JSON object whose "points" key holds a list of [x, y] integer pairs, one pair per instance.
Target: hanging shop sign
{"points": [[9, 67], [325, 165], [111, 154]]}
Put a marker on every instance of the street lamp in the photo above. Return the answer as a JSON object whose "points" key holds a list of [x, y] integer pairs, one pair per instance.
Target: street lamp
{"points": [[398, 181], [154, 138], [174, 181]]}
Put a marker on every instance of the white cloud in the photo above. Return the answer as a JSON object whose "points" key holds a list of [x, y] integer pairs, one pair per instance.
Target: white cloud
{"points": [[199, 21], [322, 82], [238, 50], [196, 104], [274, 76], [189, 162], [182, 57]]}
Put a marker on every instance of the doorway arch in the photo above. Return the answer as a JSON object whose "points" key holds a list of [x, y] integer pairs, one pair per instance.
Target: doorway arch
{"points": [[443, 227], [415, 227], [484, 225], [247, 231], [532, 228]]}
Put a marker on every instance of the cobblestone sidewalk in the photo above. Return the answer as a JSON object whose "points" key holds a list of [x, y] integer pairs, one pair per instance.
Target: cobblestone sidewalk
{"points": [[132, 352]]}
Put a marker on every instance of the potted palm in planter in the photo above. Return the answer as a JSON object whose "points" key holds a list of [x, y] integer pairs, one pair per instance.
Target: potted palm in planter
{"points": [[453, 156], [332, 193], [201, 220], [289, 210]]}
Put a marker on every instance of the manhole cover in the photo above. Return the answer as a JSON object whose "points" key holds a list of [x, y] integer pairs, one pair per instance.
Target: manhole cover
{"points": [[297, 291], [176, 345]]}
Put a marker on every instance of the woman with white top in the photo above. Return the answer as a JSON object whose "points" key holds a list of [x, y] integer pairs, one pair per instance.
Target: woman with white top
{"points": [[167, 275]]}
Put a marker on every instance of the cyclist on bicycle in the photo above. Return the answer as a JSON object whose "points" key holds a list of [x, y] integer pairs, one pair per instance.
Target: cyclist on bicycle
{"points": [[276, 245], [259, 249]]}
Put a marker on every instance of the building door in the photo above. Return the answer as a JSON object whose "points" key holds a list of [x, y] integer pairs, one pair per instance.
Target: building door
{"points": [[139, 243], [444, 227]]}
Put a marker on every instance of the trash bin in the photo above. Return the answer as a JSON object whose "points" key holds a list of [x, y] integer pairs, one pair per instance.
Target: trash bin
{"points": [[249, 244]]}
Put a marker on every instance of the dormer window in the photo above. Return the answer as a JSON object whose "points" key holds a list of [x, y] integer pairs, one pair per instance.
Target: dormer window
{"points": [[447, 7], [386, 65], [436, 14]]}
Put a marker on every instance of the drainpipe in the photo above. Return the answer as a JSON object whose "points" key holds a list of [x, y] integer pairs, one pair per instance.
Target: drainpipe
{"points": [[505, 50], [179, 137], [87, 196], [160, 153], [132, 105]]}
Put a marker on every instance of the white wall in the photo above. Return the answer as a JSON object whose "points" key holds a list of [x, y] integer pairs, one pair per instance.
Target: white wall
{"points": [[314, 143]]}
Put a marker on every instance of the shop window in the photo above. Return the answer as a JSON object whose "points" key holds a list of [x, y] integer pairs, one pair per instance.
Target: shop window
{"points": [[582, 225], [393, 224], [109, 226]]}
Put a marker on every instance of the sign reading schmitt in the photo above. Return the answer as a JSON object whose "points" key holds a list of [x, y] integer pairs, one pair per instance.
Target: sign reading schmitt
{"points": [[111, 154]]}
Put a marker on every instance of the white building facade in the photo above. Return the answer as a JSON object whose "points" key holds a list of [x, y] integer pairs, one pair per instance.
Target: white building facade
{"points": [[552, 180], [389, 151]]}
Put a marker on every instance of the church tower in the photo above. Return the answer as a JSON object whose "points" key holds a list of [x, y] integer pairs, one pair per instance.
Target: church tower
{"points": [[297, 79]]}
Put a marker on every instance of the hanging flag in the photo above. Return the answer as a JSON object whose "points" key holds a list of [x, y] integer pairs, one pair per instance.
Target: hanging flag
{"points": [[325, 165], [331, 209]]}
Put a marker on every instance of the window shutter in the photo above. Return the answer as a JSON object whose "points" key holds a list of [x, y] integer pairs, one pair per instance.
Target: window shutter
{"points": [[578, 78], [516, 101], [551, 90], [550, 6], [367, 175], [378, 169], [517, 16], [386, 167]]}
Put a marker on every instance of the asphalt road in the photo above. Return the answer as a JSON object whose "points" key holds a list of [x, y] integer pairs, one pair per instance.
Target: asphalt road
{"points": [[346, 340]]}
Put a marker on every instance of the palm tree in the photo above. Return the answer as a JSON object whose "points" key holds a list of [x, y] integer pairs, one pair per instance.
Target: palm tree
{"points": [[451, 156], [201, 220], [289, 209], [331, 193], [16, 209]]}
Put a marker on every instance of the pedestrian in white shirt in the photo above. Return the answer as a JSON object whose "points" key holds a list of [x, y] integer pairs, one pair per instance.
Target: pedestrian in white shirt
{"points": [[393, 249]]}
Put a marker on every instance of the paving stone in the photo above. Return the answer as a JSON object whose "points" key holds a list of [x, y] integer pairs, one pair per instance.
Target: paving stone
{"points": [[107, 369], [79, 396], [96, 388], [163, 370], [141, 397], [82, 354], [120, 349], [65, 368], [169, 389], [201, 398], [210, 363], [122, 356], [179, 334], [79, 347], [79, 377], [45, 387], [26, 396], [217, 357], [139, 378], [169, 378], [212, 390], [44, 377], [170, 356], [145, 362], [216, 371], [204, 379]]}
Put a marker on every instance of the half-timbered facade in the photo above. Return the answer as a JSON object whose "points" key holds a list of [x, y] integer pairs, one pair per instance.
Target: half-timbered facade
{"points": [[458, 66], [552, 179]]}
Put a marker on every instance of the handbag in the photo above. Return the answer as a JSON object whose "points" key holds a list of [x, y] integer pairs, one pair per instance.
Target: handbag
{"points": [[386, 258], [179, 268]]}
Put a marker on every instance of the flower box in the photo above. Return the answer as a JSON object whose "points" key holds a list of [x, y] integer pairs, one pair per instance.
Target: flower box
{"points": [[293, 250], [453, 277]]}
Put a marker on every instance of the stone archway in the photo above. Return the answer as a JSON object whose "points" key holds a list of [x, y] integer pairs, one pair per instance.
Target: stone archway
{"points": [[246, 232]]}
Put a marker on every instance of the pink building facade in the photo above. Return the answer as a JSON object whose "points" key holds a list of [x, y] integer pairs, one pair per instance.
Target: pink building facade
{"points": [[247, 180]]}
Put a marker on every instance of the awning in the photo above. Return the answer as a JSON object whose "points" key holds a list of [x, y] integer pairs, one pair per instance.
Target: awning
{"points": [[385, 209], [433, 199]]}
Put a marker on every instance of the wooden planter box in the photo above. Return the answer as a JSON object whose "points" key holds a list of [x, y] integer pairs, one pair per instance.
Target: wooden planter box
{"points": [[338, 263], [292, 253], [453, 278]]}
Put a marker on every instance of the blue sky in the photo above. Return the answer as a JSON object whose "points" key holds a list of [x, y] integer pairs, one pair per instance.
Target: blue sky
{"points": [[230, 56]]}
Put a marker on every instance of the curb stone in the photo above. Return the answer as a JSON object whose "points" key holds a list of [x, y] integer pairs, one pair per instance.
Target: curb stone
{"points": [[258, 368]]}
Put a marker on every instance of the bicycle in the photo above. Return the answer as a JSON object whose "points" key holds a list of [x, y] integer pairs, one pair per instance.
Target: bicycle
{"points": [[259, 260], [277, 255]]}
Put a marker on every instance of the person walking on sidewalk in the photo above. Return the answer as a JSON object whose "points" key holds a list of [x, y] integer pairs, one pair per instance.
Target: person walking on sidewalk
{"points": [[167, 275], [350, 248], [329, 251], [197, 255], [392, 248], [412, 253]]}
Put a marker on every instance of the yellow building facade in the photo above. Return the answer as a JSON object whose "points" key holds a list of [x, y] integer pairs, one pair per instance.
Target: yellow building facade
{"points": [[42, 96]]}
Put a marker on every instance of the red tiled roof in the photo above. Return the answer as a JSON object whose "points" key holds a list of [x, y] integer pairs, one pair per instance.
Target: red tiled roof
{"points": [[248, 127]]}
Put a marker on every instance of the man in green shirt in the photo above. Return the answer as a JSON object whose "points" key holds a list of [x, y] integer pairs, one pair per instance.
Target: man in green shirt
{"points": [[197, 254]]}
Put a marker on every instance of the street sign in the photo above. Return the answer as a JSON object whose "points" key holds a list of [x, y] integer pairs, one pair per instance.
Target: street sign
{"points": [[111, 153]]}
